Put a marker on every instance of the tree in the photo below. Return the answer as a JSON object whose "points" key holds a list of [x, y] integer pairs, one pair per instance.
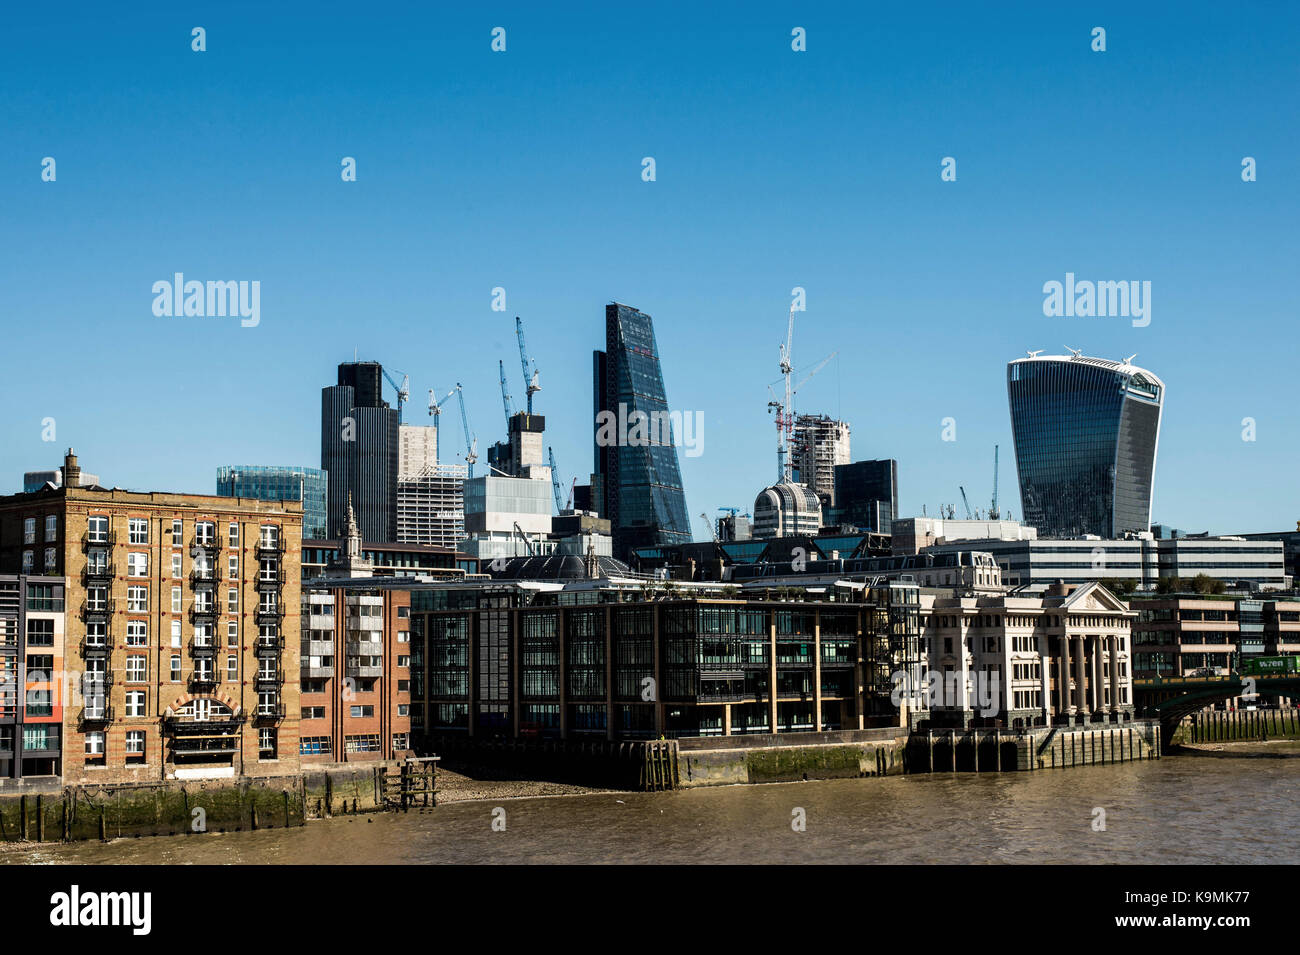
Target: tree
{"points": [[1205, 584], [1168, 585]]}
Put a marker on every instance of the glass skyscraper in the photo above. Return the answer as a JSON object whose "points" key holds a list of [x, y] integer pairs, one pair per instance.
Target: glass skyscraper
{"points": [[1085, 432], [271, 483], [359, 441], [637, 483]]}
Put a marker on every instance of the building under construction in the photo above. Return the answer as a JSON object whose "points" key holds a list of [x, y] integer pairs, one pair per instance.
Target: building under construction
{"points": [[819, 444], [430, 496]]}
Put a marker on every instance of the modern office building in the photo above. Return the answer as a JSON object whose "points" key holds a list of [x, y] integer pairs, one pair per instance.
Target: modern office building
{"points": [[1086, 431], [1290, 546], [181, 661], [355, 663], [388, 559], [359, 451], [819, 444], [32, 648], [637, 482], [1239, 564], [35, 480], [914, 534], [571, 658], [430, 496], [1062, 657], [1179, 635], [787, 509], [272, 483], [866, 495]]}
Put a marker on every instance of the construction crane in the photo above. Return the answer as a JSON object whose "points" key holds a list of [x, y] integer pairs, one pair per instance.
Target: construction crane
{"points": [[528, 545], [471, 442], [435, 410], [530, 381], [403, 390], [708, 523], [994, 513], [505, 394], [555, 482], [965, 503]]}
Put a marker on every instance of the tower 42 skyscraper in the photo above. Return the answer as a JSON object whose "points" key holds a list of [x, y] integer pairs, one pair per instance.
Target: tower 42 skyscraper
{"points": [[1085, 431]]}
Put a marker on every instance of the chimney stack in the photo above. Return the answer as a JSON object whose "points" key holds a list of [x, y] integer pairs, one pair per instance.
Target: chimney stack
{"points": [[71, 470]]}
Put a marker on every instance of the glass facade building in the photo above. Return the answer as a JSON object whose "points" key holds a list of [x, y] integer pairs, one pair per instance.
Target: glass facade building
{"points": [[359, 443], [272, 483], [1085, 431], [866, 495], [637, 484]]}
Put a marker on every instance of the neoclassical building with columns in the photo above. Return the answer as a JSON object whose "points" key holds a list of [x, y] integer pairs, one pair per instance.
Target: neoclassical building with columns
{"points": [[1062, 658]]}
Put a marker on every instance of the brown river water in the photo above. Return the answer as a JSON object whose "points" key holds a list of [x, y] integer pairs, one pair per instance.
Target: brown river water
{"points": [[1212, 808]]}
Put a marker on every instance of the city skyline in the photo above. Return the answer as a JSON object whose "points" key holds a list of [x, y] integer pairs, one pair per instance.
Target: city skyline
{"points": [[819, 170]]}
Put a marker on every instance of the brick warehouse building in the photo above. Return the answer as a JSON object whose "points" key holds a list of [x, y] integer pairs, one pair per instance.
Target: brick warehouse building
{"points": [[181, 661]]}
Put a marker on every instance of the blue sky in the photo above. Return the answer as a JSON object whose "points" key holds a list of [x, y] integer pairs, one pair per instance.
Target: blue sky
{"points": [[775, 169]]}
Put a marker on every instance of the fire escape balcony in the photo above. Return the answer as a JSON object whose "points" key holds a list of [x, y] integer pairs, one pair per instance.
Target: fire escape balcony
{"points": [[205, 681], [96, 715], [102, 540], [98, 573], [270, 548], [265, 712], [100, 611], [268, 679]]}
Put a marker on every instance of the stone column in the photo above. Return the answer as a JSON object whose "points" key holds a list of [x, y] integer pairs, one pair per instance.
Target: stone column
{"points": [[1115, 703], [771, 672], [1045, 677], [1063, 678], [1080, 677]]}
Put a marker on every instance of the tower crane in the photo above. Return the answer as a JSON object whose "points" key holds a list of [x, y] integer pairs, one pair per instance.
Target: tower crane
{"points": [[708, 523], [435, 407], [555, 482], [505, 394], [965, 503], [471, 442], [403, 390], [530, 381]]}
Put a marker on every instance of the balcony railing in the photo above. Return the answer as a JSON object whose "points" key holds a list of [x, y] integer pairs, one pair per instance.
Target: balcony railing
{"points": [[95, 645], [204, 611], [270, 547], [98, 572], [269, 614], [269, 583], [102, 609], [95, 715], [96, 681], [205, 680], [101, 540], [272, 644], [206, 543], [203, 646], [268, 679], [273, 711], [203, 576]]}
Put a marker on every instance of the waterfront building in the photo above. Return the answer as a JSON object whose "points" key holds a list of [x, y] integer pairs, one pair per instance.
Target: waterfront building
{"points": [[32, 647], [866, 495], [389, 559], [787, 509], [355, 663], [180, 659], [819, 444], [1085, 431], [636, 485], [1239, 564], [359, 451], [272, 483], [1179, 635], [911, 535], [1290, 546], [1062, 657]]}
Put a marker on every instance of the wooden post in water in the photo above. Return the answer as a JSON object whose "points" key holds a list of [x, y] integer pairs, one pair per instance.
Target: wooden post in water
{"points": [[40, 818]]}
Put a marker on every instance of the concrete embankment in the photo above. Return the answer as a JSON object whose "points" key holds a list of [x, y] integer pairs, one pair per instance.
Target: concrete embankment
{"points": [[720, 761], [1220, 726]]}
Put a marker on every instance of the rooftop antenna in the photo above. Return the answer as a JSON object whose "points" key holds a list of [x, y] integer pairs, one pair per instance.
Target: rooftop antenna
{"points": [[1129, 359], [1074, 351], [1035, 354]]}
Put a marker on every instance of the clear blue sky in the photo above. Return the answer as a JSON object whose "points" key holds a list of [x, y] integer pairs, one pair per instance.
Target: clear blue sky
{"points": [[775, 169]]}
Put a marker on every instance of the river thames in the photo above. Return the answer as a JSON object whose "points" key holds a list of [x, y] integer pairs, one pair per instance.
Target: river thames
{"points": [[1210, 808]]}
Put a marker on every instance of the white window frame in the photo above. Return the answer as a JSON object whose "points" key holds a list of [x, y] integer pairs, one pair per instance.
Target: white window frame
{"points": [[137, 530]]}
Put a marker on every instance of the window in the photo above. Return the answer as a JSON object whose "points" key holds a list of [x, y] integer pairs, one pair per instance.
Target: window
{"points": [[266, 742], [361, 712], [232, 633], [403, 613], [135, 746], [403, 661], [401, 742], [267, 703], [39, 666], [176, 600], [51, 527], [97, 598], [205, 532], [176, 633], [403, 686], [136, 665], [51, 558], [178, 533], [137, 599], [313, 712], [96, 634], [232, 566], [176, 668], [232, 600], [177, 570], [27, 562], [137, 564], [40, 633], [314, 746], [361, 744], [137, 531], [403, 709], [97, 529], [403, 636], [233, 534], [95, 744], [137, 634], [232, 669], [270, 537], [135, 703], [29, 530]]}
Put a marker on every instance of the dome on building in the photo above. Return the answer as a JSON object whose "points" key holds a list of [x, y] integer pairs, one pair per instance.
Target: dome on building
{"points": [[786, 509], [556, 567]]}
